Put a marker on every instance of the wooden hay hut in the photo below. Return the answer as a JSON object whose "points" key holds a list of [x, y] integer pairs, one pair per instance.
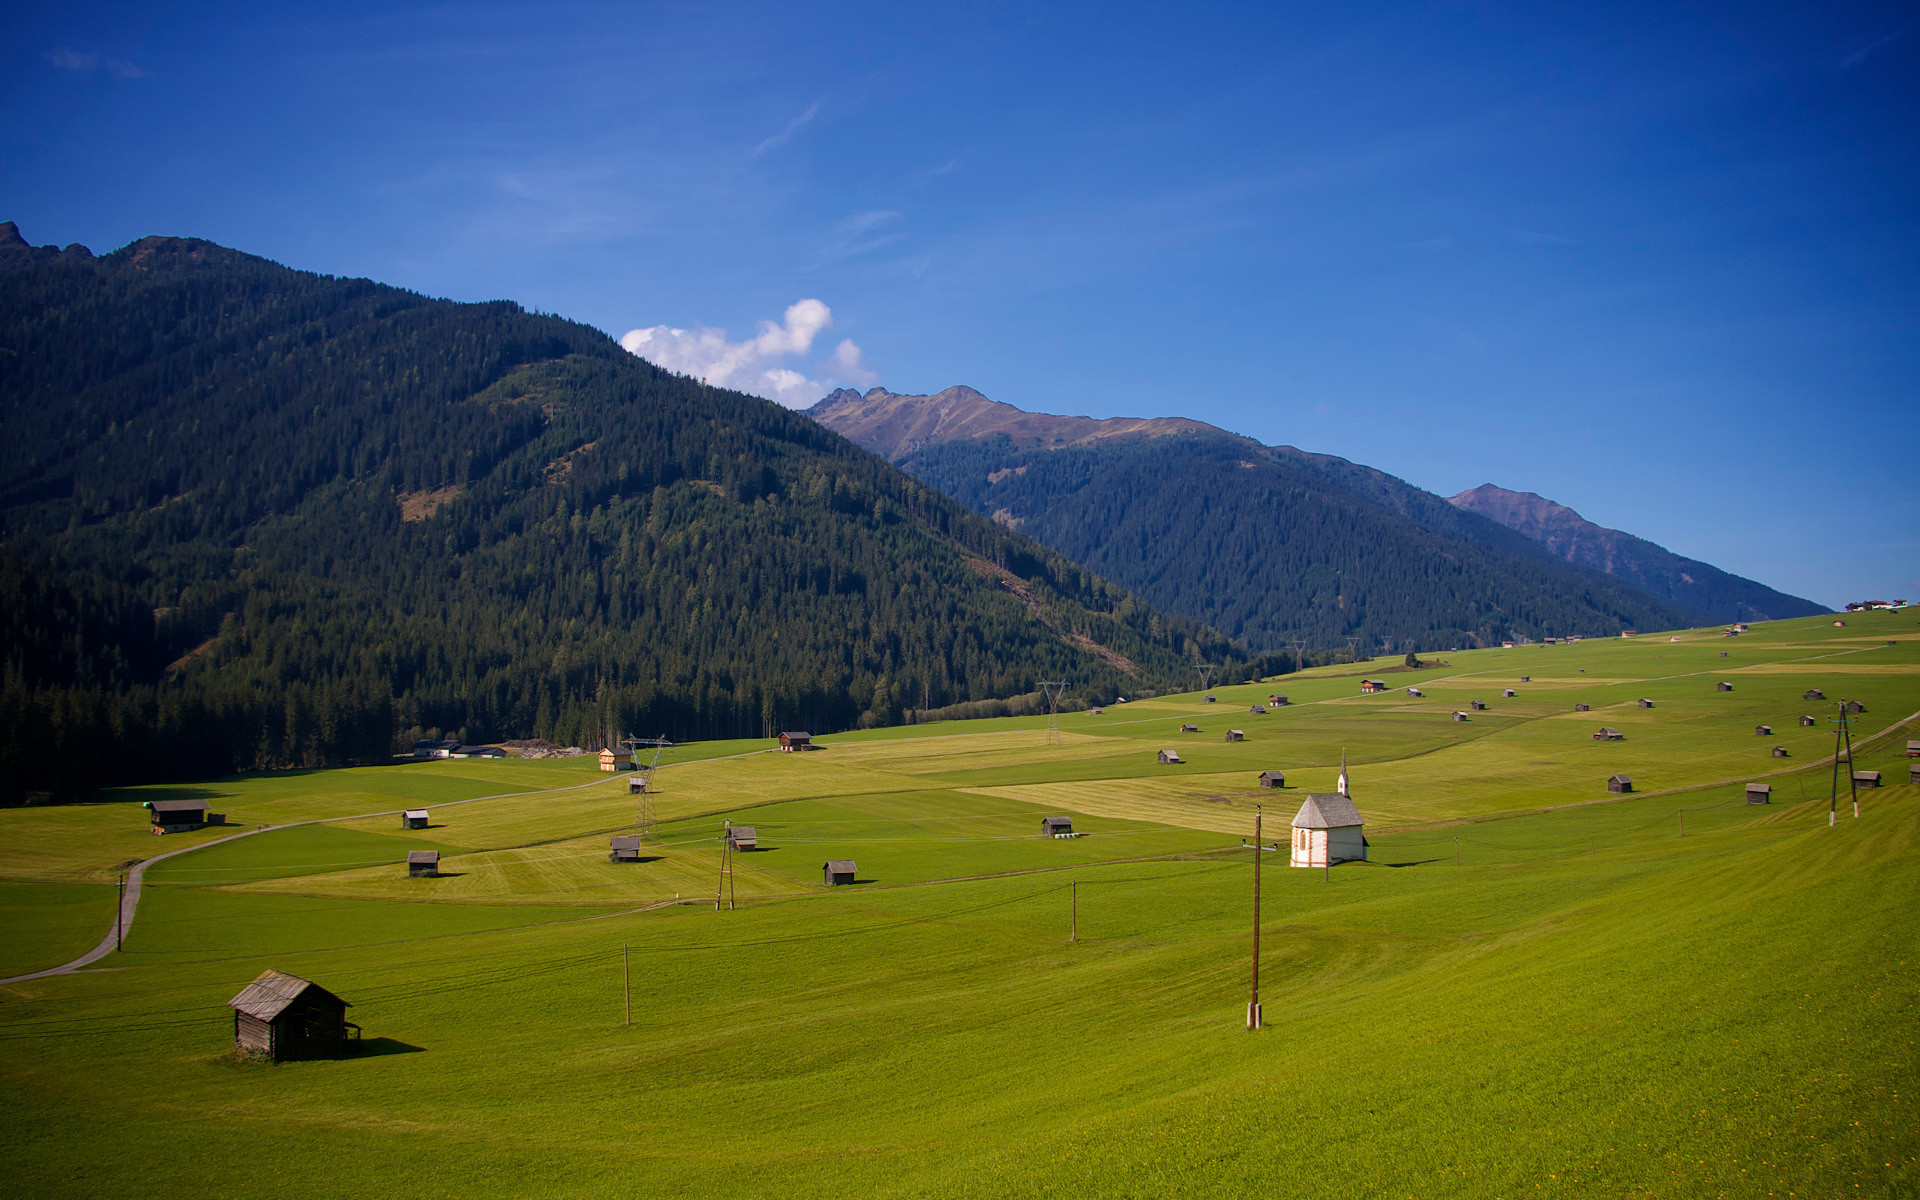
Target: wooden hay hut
{"points": [[1526, 679], [178, 816], [1095, 711], [1779, 751], [1813, 694], [1763, 730], [1854, 706], [1416, 692], [1583, 706], [1508, 693], [1328, 829], [1277, 701], [637, 786], [1643, 702], [423, 863], [1723, 686], [1913, 748], [838, 871], [1619, 783], [1608, 733], [283, 1018], [1759, 793], [1169, 756], [616, 760], [1866, 779], [1807, 722], [743, 837], [1458, 715], [1236, 735], [1189, 729], [624, 849], [1213, 699], [1477, 705], [414, 818], [1056, 826], [792, 740], [1913, 772], [1258, 710], [1272, 779]]}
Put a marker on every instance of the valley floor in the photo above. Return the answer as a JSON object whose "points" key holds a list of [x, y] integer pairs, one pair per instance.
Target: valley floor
{"points": [[1533, 987]]}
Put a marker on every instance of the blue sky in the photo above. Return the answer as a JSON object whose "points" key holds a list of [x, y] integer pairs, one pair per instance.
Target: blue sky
{"points": [[1662, 266]]}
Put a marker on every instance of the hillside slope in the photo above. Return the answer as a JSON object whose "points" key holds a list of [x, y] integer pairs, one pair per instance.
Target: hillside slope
{"points": [[1265, 543], [287, 517], [1696, 586]]}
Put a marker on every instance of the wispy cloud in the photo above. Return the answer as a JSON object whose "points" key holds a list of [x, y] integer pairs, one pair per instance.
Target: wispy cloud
{"points": [[859, 234], [68, 59], [786, 135], [1859, 56], [754, 365]]}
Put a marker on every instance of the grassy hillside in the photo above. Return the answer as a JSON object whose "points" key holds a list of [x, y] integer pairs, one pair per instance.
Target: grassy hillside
{"points": [[255, 517], [1533, 987]]}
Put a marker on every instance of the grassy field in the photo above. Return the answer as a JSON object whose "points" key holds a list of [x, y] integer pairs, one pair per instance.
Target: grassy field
{"points": [[1533, 987]]}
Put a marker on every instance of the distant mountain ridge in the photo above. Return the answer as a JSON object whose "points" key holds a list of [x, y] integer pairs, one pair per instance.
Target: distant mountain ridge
{"points": [[1694, 585], [1269, 544], [894, 426]]}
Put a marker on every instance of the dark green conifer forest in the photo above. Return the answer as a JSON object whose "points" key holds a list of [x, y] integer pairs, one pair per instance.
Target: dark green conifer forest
{"points": [[254, 517]]}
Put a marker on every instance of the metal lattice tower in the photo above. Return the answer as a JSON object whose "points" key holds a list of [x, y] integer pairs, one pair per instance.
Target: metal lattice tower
{"points": [[643, 818], [1054, 688], [1842, 753], [1206, 676]]}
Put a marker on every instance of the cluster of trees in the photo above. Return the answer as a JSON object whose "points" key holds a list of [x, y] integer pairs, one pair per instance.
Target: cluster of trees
{"points": [[259, 518], [1268, 548]]}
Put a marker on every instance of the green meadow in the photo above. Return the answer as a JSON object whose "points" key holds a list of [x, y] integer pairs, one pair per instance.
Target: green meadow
{"points": [[1534, 987]]}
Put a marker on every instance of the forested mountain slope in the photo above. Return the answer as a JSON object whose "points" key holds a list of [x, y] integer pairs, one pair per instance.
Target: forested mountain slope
{"points": [[254, 516], [1267, 549], [1691, 584]]}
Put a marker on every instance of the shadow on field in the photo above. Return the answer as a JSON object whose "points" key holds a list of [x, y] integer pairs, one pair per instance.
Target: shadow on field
{"points": [[377, 1047], [1419, 862], [442, 875]]}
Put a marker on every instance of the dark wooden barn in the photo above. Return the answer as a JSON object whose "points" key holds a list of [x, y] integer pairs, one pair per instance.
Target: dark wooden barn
{"points": [[1236, 735], [1477, 705], [1583, 706], [743, 837], [1258, 710], [1169, 756], [1056, 826], [1620, 783], [1813, 694], [1854, 706], [423, 863], [1373, 685], [637, 785], [1913, 772], [1643, 702], [1189, 729], [1759, 793], [1509, 693], [1763, 730], [1526, 679], [414, 818], [1272, 779], [839, 871], [1866, 779], [178, 816], [1278, 701], [1416, 693], [624, 849], [283, 1017], [1807, 722], [1213, 699], [1779, 751], [793, 740], [1723, 686], [1608, 733], [1913, 748], [1458, 715]]}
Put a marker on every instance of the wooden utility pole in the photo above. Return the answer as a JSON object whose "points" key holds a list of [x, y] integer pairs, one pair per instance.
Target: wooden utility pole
{"points": [[120, 910], [1073, 911], [1682, 813], [1456, 849], [1253, 1003], [626, 981]]}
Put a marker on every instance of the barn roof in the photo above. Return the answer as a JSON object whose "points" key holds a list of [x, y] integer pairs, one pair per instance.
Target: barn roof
{"points": [[625, 843], [268, 996], [179, 806], [1326, 810], [1272, 775], [795, 733], [742, 831], [1619, 779], [840, 866], [416, 812], [423, 856], [1056, 822], [1760, 787]]}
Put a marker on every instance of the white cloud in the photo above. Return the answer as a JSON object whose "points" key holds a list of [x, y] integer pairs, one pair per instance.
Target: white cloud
{"points": [[755, 365], [786, 135], [72, 60]]}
